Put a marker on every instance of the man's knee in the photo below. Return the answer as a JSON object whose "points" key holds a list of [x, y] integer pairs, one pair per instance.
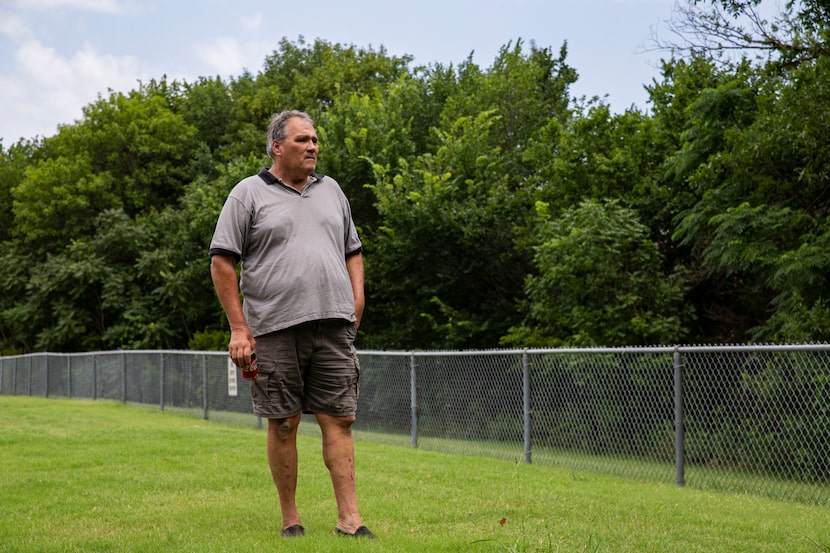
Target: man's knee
{"points": [[283, 428], [343, 424], [340, 425]]}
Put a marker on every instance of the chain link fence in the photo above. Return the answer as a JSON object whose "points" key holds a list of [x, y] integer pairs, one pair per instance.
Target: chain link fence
{"points": [[746, 419]]}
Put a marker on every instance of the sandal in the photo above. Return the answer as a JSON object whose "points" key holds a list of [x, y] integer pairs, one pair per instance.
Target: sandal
{"points": [[361, 532], [294, 531]]}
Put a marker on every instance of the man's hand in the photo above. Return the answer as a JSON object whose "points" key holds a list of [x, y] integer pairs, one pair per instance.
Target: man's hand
{"points": [[241, 346]]}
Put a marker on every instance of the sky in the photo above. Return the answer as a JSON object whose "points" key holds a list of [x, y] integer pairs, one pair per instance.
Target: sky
{"points": [[58, 56]]}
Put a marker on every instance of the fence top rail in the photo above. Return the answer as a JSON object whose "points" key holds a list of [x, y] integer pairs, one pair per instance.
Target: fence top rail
{"points": [[117, 352], [758, 347], [494, 352], [731, 348], [726, 348]]}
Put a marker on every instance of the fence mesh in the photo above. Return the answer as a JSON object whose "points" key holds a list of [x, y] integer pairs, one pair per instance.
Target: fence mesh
{"points": [[610, 412], [732, 418]]}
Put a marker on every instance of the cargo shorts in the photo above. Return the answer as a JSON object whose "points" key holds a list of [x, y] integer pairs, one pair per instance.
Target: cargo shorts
{"points": [[310, 368]]}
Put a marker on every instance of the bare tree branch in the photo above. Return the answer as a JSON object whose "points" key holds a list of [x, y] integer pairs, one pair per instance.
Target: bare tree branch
{"points": [[731, 29]]}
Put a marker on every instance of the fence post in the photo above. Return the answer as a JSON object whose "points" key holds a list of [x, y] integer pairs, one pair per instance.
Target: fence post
{"points": [[679, 430], [413, 399], [161, 380], [94, 377], [123, 377], [46, 369], [31, 369], [526, 403], [204, 387], [68, 376]]}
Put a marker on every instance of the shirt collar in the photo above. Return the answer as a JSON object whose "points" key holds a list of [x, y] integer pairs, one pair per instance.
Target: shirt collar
{"points": [[269, 178]]}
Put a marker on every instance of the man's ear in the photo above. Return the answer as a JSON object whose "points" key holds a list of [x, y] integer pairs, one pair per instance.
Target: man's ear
{"points": [[275, 147]]}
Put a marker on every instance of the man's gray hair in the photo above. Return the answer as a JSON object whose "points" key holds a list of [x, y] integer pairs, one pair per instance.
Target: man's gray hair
{"points": [[277, 129]]}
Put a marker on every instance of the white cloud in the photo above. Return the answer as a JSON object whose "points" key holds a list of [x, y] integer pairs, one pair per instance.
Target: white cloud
{"points": [[105, 70], [12, 26], [45, 87], [228, 56], [224, 55], [86, 71], [252, 22]]}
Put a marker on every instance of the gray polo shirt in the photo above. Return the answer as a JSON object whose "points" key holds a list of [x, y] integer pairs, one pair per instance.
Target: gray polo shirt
{"points": [[293, 247]]}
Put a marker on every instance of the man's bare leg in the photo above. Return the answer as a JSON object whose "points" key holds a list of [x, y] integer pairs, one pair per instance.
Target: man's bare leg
{"points": [[282, 459], [338, 454]]}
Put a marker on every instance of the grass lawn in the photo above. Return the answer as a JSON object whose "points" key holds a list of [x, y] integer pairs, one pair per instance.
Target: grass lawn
{"points": [[101, 476]]}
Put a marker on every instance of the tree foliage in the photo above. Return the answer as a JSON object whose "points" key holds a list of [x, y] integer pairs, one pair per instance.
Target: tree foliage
{"points": [[494, 208], [599, 282]]}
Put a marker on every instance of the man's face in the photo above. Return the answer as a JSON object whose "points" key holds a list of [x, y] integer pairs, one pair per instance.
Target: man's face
{"points": [[298, 152]]}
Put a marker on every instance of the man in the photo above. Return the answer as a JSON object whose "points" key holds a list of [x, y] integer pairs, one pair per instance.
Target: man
{"points": [[302, 283]]}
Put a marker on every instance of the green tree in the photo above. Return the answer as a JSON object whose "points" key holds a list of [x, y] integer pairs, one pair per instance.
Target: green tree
{"points": [[130, 152], [361, 131], [314, 77], [527, 90], [443, 269], [447, 260], [600, 282], [713, 120], [764, 219], [69, 298], [208, 106], [13, 164]]}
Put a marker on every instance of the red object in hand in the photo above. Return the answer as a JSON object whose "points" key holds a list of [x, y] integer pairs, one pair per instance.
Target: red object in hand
{"points": [[251, 372]]}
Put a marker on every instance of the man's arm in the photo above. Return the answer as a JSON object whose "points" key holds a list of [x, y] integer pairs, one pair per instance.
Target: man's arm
{"points": [[242, 344], [354, 264]]}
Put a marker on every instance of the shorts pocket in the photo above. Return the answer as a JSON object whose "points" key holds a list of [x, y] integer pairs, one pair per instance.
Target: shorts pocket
{"points": [[261, 386]]}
